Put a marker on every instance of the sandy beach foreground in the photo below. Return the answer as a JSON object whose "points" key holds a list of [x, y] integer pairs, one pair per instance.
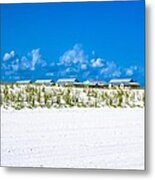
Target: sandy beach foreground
{"points": [[73, 138]]}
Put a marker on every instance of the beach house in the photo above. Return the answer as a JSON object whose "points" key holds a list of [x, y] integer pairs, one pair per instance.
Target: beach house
{"points": [[126, 82], [45, 81], [24, 81], [67, 82], [95, 83]]}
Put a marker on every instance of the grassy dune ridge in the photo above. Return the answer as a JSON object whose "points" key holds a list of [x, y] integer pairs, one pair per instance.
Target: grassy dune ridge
{"points": [[19, 96]]}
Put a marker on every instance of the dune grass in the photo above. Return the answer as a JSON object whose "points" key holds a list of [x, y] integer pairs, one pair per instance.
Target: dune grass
{"points": [[19, 96]]}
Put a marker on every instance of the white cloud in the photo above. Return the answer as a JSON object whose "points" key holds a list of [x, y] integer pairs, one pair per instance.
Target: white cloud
{"points": [[15, 65], [93, 53], [73, 62], [25, 63], [49, 74], [68, 70], [74, 55], [28, 62], [83, 66], [7, 56], [116, 73], [99, 62], [111, 70], [131, 70], [36, 57], [12, 53]]}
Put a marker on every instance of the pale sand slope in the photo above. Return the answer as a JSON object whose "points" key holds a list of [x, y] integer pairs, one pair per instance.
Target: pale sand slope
{"points": [[79, 138]]}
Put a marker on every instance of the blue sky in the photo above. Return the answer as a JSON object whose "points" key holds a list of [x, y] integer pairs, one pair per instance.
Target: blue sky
{"points": [[95, 40]]}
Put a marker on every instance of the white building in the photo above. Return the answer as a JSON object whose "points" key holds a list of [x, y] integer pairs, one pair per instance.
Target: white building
{"points": [[24, 82], [127, 82], [94, 83], [44, 81], [67, 81]]}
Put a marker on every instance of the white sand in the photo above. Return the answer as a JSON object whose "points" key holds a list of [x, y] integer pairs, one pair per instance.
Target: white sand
{"points": [[73, 138]]}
